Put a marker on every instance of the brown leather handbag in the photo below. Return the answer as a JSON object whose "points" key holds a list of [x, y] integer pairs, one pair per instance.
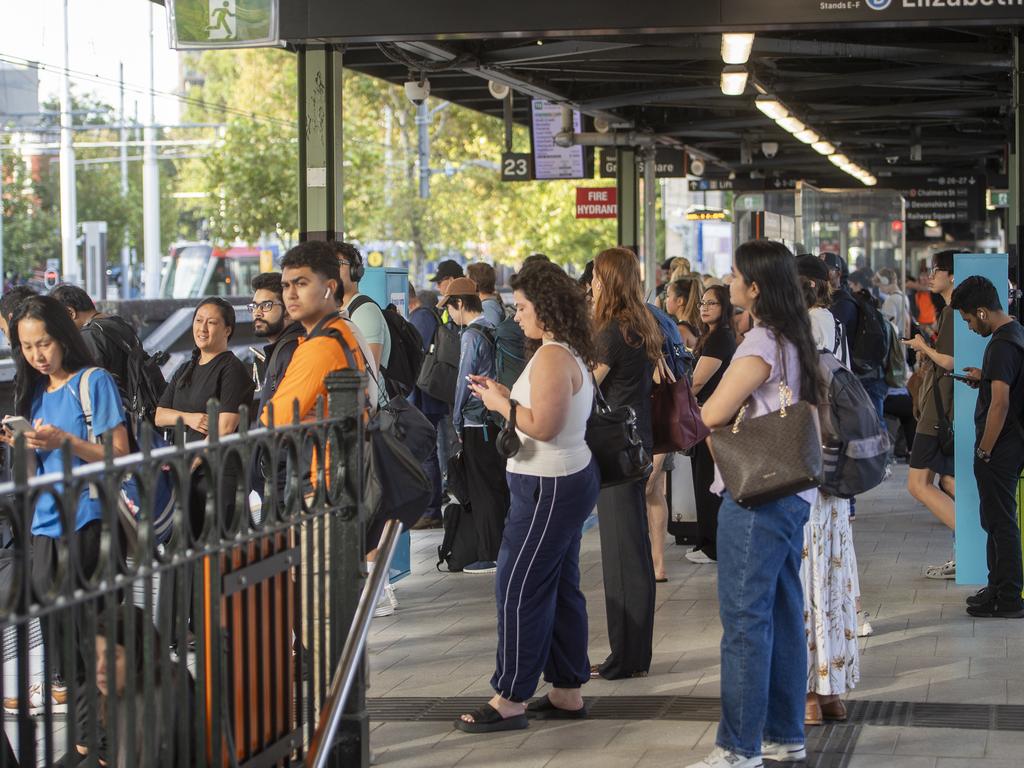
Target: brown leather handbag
{"points": [[675, 416], [772, 456]]}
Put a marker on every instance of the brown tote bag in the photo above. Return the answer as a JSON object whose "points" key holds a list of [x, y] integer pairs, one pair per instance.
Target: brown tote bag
{"points": [[770, 456]]}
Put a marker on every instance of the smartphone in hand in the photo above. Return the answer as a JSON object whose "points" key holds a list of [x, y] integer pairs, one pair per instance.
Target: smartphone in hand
{"points": [[964, 379], [17, 424]]}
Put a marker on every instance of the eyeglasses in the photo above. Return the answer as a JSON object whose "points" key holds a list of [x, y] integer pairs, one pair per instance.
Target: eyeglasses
{"points": [[264, 307], [933, 270], [708, 304]]}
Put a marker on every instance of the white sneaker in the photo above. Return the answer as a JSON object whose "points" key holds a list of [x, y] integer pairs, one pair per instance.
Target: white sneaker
{"points": [[945, 571], [384, 607], [783, 753], [864, 628], [724, 758], [389, 595], [58, 699], [698, 557]]}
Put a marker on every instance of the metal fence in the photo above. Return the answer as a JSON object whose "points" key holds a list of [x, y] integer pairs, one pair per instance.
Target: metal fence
{"points": [[215, 648]]}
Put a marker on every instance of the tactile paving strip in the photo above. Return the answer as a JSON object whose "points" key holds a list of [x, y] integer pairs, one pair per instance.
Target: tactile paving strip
{"points": [[989, 717]]}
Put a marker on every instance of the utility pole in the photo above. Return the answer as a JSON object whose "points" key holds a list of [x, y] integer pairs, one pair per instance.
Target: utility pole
{"points": [[3, 274], [68, 202], [389, 230], [151, 183], [126, 254], [423, 125]]}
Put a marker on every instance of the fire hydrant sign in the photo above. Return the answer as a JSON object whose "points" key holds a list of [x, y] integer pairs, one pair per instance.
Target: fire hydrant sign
{"points": [[596, 203]]}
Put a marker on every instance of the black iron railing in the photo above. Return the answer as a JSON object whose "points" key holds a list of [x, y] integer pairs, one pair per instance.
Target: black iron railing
{"points": [[215, 648]]}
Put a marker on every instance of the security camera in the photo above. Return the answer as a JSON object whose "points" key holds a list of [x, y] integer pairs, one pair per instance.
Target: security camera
{"points": [[892, 159], [770, 148], [417, 91]]}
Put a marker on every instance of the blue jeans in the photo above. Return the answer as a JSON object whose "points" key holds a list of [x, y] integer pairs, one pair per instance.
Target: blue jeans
{"points": [[877, 390], [761, 602]]}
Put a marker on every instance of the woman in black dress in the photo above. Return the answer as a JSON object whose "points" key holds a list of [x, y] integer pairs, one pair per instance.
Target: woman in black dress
{"points": [[213, 372], [714, 351], [628, 347]]}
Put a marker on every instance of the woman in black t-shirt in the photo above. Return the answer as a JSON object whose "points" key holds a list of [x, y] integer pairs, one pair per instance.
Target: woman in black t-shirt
{"points": [[714, 351], [629, 346], [212, 372]]}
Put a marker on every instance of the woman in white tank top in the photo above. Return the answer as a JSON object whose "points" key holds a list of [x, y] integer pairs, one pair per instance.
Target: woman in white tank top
{"points": [[553, 483]]}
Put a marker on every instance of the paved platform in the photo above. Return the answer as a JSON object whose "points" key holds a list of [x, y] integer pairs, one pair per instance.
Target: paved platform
{"points": [[939, 689]]}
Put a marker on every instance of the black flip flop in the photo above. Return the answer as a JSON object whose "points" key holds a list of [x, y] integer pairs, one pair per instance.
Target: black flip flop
{"points": [[487, 719], [661, 581], [543, 709]]}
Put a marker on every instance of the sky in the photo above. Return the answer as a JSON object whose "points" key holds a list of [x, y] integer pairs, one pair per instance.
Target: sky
{"points": [[103, 34]]}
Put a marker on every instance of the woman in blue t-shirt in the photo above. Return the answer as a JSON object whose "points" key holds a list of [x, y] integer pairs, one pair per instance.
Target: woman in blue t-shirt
{"points": [[50, 360]]}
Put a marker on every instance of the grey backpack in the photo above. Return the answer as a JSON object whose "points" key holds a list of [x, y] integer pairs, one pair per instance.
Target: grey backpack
{"points": [[855, 444]]}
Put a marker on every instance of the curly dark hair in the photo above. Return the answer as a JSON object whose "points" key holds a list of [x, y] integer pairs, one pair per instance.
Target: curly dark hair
{"points": [[561, 307]]}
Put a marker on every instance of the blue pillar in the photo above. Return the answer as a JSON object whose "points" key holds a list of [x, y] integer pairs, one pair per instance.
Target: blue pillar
{"points": [[969, 348]]}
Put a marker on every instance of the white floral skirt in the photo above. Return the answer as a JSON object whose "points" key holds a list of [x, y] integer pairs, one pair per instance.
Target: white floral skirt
{"points": [[828, 572]]}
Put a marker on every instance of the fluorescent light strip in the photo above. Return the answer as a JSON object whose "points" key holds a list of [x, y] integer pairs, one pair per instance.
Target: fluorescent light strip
{"points": [[771, 107], [734, 80], [736, 47], [791, 124]]}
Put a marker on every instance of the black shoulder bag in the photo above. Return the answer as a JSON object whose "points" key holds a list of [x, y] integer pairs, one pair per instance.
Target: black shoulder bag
{"points": [[614, 439]]}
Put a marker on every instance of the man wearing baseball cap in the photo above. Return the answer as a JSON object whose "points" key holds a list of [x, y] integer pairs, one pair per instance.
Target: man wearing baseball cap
{"points": [[485, 468], [447, 270]]}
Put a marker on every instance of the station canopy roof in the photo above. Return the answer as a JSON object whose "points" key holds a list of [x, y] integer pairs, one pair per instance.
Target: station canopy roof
{"points": [[875, 94], [904, 88]]}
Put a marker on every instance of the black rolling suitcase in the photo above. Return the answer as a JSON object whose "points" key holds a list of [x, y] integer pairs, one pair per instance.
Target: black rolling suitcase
{"points": [[682, 510]]}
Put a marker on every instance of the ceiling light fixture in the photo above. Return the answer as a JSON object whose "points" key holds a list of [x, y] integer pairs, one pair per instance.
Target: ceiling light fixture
{"points": [[807, 136], [771, 107], [791, 124], [734, 80], [736, 47], [839, 159], [823, 147]]}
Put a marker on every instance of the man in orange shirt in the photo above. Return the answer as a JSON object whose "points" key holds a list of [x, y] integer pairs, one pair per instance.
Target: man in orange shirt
{"points": [[310, 283]]}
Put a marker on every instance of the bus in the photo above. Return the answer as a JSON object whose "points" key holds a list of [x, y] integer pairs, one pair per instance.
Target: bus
{"points": [[195, 270]]}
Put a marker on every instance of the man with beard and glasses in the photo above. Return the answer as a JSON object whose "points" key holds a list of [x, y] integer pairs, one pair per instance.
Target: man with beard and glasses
{"points": [[270, 321]]}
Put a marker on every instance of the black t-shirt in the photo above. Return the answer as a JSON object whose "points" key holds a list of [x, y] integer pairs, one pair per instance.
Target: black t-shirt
{"points": [[630, 378], [1003, 361], [225, 378], [720, 344]]}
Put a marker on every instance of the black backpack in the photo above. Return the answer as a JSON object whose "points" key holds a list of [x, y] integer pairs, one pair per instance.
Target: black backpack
{"points": [[458, 548], [144, 382], [406, 349], [441, 363], [855, 444], [870, 347], [509, 352]]}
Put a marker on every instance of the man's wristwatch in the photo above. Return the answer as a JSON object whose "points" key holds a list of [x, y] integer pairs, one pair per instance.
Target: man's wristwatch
{"points": [[981, 453]]}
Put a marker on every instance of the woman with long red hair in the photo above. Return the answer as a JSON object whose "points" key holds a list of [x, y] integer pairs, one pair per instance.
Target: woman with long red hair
{"points": [[628, 349]]}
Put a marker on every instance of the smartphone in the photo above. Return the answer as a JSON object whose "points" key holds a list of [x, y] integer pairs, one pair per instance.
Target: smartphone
{"points": [[959, 377], [17, 424]]}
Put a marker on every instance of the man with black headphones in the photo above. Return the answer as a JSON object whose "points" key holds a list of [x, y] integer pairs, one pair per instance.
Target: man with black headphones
{"points": [[362, 310]]}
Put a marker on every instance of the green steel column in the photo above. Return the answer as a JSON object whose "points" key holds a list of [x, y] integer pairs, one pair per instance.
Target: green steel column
{"points": [[627, 182], [321, 195]]}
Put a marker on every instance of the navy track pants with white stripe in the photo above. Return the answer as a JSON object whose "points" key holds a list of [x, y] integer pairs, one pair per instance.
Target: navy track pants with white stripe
{"points": [[542, 614]]}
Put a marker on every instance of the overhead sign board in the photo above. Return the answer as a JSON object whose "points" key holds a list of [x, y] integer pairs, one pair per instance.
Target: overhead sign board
{"points": [[958, 199], [416, 20], [871, 11], [669, 163], [551, 161], [998, 198], [740, 184], [205, 24], [516, 166], [596, 203]]}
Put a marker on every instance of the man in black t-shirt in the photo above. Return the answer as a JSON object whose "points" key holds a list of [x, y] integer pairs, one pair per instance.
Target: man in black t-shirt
{"points": [[999, 447]]}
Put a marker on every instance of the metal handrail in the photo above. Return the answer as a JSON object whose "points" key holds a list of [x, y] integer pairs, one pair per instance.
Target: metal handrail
{"points": [[351, 653]]}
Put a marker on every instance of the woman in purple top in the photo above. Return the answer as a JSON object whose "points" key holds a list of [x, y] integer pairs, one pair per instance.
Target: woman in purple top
{"points": [[764, 656]]}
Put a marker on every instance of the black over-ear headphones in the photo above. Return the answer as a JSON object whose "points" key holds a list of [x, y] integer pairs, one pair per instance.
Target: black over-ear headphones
{"points": [[507, 443], [356, 268]]}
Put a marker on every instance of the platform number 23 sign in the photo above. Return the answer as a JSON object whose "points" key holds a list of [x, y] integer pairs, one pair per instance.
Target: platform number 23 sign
{"points": [[516, 166]]}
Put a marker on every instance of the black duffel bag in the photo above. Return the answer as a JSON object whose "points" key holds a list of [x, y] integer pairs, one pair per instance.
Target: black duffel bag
{"points": [[399, 439], [614, 439]]}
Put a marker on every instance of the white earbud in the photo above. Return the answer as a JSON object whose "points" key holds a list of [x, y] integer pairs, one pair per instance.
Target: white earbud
{"points": [[327, 293]]}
